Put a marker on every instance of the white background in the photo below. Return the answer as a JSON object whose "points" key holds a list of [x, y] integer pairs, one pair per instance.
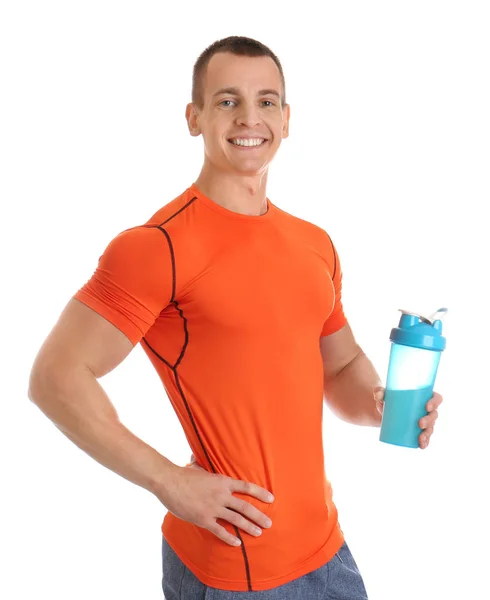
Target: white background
{"points": [[388, 151]]}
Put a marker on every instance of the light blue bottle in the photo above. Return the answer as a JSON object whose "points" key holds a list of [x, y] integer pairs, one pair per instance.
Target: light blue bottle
{"points": [[415, 353]]}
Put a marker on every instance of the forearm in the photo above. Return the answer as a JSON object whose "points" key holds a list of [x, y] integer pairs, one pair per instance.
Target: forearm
{"points": [[81, 409], [350, 393]]}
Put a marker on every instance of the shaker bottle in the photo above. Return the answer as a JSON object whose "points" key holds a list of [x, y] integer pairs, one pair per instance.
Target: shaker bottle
{"points": [[416, 349]]}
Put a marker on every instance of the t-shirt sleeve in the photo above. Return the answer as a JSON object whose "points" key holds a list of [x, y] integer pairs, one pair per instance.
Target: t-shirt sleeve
{"points": [[337, 318], [133, 281]]}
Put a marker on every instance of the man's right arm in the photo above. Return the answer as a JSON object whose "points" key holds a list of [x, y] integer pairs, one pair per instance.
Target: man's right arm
{"points": [[82, 347]]}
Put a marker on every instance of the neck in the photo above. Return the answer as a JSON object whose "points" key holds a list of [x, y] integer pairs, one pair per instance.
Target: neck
{"points": [[244, 195]]}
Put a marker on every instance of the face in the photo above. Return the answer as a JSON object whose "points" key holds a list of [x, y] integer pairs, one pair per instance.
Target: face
{"points": [[249, 110]]}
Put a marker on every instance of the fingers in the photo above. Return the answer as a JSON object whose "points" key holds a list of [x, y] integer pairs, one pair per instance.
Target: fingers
{"points": [[252, 489], [424, 437], [427, 425], [241, 513], [220, 532], [434, 402], [202, 498], [239, 520], [379, 394], [234, 515], [429, 420], [245, 508]]}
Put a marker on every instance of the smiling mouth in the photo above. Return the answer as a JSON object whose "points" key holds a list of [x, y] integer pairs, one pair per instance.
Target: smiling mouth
{"points": [[252, 147]]}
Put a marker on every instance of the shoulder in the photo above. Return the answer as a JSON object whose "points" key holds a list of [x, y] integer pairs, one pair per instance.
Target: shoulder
{"points": [[314, 233], [151, 235], [174, 212]]}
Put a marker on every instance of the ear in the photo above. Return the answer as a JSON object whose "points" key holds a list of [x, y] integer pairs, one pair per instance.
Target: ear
{"points": [[285, 126], [192, 117]]}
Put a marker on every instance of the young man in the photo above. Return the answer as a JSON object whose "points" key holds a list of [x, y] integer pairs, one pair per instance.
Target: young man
{"points": [[238, 306]]}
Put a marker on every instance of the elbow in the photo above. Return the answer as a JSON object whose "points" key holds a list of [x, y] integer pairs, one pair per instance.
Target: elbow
{"points": [[340, 411], [41, 380], [49, 378], [34, 385], [57, 389]]}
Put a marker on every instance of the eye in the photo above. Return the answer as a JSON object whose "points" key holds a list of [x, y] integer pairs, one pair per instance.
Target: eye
{"points": [[269, 101]]}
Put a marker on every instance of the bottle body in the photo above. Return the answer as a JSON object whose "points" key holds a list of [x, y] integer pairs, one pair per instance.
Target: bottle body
{"points": [[409, 386]]}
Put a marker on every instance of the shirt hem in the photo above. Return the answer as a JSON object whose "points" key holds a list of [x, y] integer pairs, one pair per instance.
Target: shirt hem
{"points": [[334, 328], [129, 330], [320, 558]]}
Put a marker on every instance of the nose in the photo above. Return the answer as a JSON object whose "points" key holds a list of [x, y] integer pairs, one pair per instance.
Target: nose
{"points": [[248, 115]]}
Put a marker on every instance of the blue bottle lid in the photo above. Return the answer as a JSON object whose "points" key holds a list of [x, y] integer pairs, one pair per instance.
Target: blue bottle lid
{"points": [[419, 332]]}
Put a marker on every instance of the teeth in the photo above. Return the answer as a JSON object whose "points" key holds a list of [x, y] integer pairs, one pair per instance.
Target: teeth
{"points": [[251, 142]]}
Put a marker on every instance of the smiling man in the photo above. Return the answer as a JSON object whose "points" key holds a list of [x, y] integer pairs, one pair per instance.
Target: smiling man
{"points": [[238, 306], [239, 108]]}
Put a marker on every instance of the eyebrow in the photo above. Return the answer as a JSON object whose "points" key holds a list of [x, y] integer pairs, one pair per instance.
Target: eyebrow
{"points": [[236, 92]]}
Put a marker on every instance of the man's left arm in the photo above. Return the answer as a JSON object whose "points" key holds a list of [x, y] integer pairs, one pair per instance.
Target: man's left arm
{"points": [[352, 388]]}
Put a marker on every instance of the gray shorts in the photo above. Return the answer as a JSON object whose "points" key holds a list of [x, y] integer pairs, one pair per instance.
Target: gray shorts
{"points": [[338, 579]]}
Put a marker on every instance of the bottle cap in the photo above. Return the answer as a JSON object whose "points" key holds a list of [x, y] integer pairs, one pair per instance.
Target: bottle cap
{"points": [[419, 332]]}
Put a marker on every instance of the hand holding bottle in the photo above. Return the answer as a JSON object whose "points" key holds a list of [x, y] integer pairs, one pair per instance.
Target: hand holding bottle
{"points": [[417, 344], [426, 424]]}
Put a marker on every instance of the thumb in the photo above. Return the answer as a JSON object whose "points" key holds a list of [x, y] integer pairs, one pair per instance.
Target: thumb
{"points": [[379, 392]]}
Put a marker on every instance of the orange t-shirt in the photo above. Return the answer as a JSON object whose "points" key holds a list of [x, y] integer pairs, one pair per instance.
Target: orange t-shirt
{"points": [[230, 309]]}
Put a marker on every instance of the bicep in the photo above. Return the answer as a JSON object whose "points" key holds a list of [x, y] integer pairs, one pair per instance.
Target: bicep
{"points": [[338, 350], [81, 338], [111, 313]]}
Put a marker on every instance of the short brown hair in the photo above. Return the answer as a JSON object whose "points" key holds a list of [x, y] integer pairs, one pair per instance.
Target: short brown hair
{"points": [[241, 46]]}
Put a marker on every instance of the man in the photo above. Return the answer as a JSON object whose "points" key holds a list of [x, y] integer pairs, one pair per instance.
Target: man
{"points": [[238, 306]]}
